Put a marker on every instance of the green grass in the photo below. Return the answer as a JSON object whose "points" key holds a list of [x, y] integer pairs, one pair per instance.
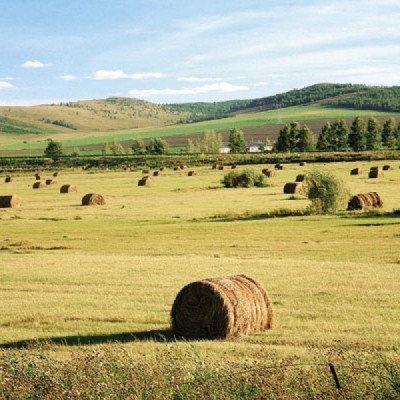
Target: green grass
{"points": [[76, 274], [85, 138]]}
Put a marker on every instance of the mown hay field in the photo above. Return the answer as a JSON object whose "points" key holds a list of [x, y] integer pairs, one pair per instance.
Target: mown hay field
{"points": [[97, 274]]}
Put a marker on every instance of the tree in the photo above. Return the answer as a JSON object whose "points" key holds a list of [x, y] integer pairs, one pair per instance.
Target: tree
{"points": [[388, 132], [236, 141], [117, 148], [373, 135], [105, 149], [210, 142], [54, 150], [323, 139], [191, 148], [305, 139], [357, 136], [342, 134], [282, 143], [294, 135], [157, 146], [138, 147]]}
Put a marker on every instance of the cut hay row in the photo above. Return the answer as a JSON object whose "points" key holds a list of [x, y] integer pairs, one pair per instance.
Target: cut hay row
{"points": [[363, 201], [10, 201], [221, 308]]}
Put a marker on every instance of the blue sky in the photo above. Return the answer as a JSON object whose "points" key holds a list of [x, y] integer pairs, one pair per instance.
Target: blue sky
{"points": [[180, 51]]}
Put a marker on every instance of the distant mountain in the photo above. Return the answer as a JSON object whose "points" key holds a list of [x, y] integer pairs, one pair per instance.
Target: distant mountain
{"points": [[359, 97]]}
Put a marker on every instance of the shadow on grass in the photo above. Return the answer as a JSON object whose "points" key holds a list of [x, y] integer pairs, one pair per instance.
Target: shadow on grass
{"points": [[162, 336]]}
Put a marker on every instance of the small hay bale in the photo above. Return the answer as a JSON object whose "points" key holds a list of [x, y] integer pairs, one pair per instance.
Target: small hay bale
{"points": [[302, 163], [375, 173], [302, 178], [8, 179], [93, 199], [294, 188], [356, 171], [162, 168], [268, 172], [375, 168], [176, 168], [182, 166], [192, 173], [39, 177], [221, 307], [233, 166], [156, 173], [11, 201], [55, 174], [363, 201], [145, 181], [279, 166], [68, 188], [50, 181], [39, 185], [145, 171], [214, 166], [387, 167], [221, 167]]}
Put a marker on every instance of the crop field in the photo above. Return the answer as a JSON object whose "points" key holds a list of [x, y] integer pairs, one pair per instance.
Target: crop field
{"points": [[101, 275]]}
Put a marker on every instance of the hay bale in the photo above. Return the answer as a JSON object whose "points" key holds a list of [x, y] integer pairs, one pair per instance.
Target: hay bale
{"points": [[192, 173], [162, 168], [55, 174], [375, 173], [145, 171], [214, 166], [176, 168], [363, 201], [8, 179], [279, 166], [145, 181], [221, 308], [221, 167], [233, 166], [156, 173], [39, 185], [294, 188], [50, 181], [356, 171], [302, 163], [375, 168], [387, 167], [93, 199], [11, 201], [68, 188], [302, 178], [39, 177], [268, 173], [182, 166]]}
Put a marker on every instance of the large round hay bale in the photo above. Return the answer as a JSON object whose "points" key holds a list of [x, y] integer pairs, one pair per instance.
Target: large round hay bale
{"points": [[156, 173], [55, 174], [387, 167], [221, 307], [363, 201], [182, 166], [279, 166], [39, 185], [302, 178], [145, 181], [50, 181], [294, 188], [68, 188], [375, 173], [356, 171], [302, 163], [268, 172], [8, 179], [192, 173], [176, 168], [233, 166], [11, 201], [221, 167], [93, 199], [374, 168]]}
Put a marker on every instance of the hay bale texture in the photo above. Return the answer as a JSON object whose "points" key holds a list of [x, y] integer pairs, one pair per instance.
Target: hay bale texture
{"points": [[375, 173], [11, 201], [93, 199], [39, 185], [363, 201], [68, 188], [145, 181], [294, 188], [356, 171], [221, 308]]}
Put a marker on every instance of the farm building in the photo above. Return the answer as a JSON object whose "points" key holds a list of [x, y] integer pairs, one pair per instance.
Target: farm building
{"points": [[251, 147]]}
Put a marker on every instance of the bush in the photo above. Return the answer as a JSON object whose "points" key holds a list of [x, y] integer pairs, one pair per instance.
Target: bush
{"points": [[247, 178], [326, 192]]}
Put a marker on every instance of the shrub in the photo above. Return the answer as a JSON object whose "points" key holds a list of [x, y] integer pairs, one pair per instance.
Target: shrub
{"points": [[247, 178], [326, 192]]}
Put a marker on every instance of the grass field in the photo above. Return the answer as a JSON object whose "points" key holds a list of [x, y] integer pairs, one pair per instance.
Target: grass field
{"points": [[93, 275], [82, 138]]}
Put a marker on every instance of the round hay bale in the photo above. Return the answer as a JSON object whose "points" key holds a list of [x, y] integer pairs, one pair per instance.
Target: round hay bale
{"points": [[356, 171], [39, 185], [55, 174], [302, 178], [233, 166], [375, 168], [192, 173], [279, 166], [302, 163], [363, 201], [182, 166], [11, 201], [162, 168], [294, 188], [39, 177], [375, 173], [68, 188], [268, 173], [387, 167], [93, 199], [221, 167], [214, 166], [221, 308], [8, 179], [156, 173], [176, 168], [145, 181], [50, 181]]}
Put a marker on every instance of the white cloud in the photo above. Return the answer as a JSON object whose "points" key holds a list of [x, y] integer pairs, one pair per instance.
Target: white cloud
{"points": [[34, 64], [260, 84], [5, 85], [69, 78], [196, 79], [104, 74], [223, 87]]}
